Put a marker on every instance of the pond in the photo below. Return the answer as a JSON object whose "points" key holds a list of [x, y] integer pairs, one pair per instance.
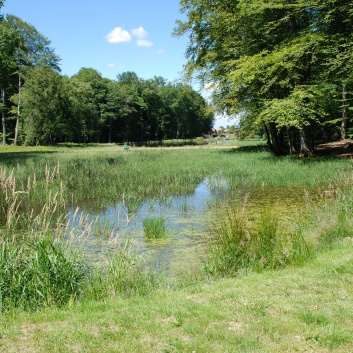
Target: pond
{"points": [[188, 218]]}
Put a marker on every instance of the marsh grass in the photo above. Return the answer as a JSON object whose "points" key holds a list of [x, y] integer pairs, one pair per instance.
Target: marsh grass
{"points": [[154, 228], [37, 274], [237, 242], [35, 191], [41, 261]]}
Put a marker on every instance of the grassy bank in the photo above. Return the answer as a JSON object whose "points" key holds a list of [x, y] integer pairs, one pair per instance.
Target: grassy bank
{"points": [[306, 309]]}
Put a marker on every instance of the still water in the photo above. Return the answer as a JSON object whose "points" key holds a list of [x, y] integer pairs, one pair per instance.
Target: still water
{"points": [[188, 218]]}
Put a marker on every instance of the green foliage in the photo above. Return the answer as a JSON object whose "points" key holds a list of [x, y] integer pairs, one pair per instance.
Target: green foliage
{"points": [[42, 101], [237, 243], [272, 61], [154, 228], [37, 274]]}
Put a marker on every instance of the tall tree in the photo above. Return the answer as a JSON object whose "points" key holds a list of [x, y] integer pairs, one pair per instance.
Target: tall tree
{"points": [[97, 121], [263, 55], [33, 51], [44, 107], [8, 43]]}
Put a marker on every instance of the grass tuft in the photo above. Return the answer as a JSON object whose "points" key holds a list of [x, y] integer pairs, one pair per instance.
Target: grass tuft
{"points": [[154, 228], [236, 242]]}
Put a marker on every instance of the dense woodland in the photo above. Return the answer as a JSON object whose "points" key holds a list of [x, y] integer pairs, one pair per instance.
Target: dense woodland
{"points": [[39, 106], [286, 66]]}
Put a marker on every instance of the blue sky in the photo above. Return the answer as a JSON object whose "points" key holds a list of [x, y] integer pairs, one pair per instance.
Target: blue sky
{"points": [[111, 36]]}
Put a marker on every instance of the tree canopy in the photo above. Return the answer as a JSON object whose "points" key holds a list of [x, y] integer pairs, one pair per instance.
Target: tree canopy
{"points": [[286, 66], [40, 106]]}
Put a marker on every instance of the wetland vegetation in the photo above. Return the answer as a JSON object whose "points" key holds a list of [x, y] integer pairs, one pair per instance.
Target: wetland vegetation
{"points": [[95, 224]]}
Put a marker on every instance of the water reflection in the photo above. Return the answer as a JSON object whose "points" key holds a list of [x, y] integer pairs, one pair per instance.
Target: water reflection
{"points": [[187, 218]]}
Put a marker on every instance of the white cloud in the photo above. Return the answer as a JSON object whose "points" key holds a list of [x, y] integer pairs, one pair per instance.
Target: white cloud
{"points": [[144, 43], [161, 51], [140, 32], [118, 35]]}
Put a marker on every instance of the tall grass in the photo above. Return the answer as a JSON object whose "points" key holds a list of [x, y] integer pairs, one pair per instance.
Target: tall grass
{"points": [[154, 228], [120, 274], [32, 206], [39, 266], [36, 274], [237, 242]]}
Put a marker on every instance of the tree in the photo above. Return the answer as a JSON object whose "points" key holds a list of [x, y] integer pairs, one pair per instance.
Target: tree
{"points": [[44, 107], [1, 5], [261, 55], [96, 121], [8, 43], [33, 51]]}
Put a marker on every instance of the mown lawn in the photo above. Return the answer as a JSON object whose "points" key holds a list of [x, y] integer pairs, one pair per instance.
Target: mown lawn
{"points": [[307, 309]]}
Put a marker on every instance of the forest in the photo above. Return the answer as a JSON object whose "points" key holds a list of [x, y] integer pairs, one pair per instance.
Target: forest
{"points": [[39, 106], [284, 66]]}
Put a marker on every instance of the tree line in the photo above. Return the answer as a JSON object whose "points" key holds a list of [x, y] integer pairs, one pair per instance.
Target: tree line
{"points": [[284, 66], [40, 106]]}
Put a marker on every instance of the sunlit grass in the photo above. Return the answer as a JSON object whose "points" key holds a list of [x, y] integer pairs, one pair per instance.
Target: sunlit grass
{"points": [[154, 228], [36, 187]]}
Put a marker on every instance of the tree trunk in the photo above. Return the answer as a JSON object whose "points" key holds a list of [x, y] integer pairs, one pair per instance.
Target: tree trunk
{"points": [[268, 136], [3, 117], [291, 144], [18, 111], [304, 149], [344, 112], [276, 139]]}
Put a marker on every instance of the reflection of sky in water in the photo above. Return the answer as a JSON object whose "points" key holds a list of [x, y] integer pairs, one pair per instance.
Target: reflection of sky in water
{"points": [[187, 220]]}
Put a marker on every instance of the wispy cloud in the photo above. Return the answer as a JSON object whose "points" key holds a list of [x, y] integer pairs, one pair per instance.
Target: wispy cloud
{"points": [[144, 43], [161, 51], [120, 35], [140, 32], [116, 67]]}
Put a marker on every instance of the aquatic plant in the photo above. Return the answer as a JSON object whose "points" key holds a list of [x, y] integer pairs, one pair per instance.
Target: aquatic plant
{"points": [[154, 228], [236, 243]]}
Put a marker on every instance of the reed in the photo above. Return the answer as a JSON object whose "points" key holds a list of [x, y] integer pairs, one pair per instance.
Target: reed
{"points": [[37, 274], [238, 242], [119, 274], [154, 228]]}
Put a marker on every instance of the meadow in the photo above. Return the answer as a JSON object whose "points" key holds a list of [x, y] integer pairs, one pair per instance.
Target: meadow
{"points": [[274, 264]]}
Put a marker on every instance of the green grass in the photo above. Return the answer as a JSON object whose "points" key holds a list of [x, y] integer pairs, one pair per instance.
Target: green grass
{"points": [[154, 228], [37, 274], [293, 310], [236, 242], [281, 265]]}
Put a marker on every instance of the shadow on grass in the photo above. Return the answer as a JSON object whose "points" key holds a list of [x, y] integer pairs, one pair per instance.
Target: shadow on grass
{"points": [[16, 157], [248, 149]]}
